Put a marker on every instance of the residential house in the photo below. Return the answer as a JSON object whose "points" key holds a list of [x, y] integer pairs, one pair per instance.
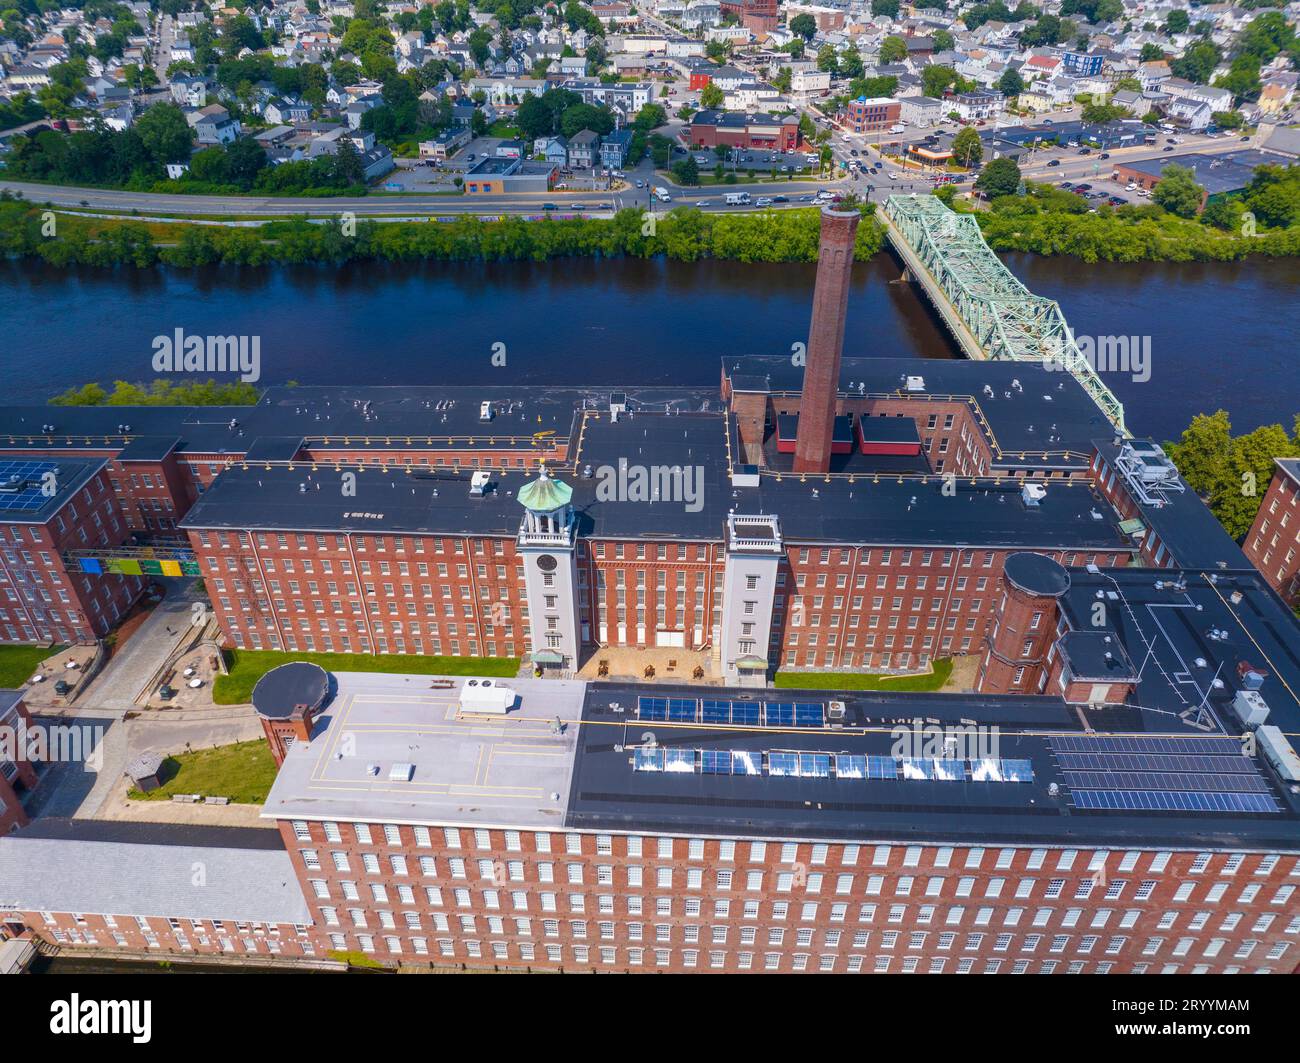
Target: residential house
{"points": [[583, 147], [614, 148]]}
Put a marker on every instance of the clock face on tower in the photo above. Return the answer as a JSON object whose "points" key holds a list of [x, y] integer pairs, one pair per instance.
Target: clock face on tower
{"points": [[546, 563]]}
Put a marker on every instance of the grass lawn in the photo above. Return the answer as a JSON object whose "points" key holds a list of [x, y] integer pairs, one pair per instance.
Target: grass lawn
{"points": [[864, 681], [242, 772], [18, 663], [248, 666]]}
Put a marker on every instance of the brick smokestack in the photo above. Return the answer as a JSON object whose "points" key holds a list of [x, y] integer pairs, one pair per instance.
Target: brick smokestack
{"points": [[821, 374]]}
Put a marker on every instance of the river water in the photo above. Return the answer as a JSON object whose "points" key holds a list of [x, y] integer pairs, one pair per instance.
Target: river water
{"points": [[1218, 335]]}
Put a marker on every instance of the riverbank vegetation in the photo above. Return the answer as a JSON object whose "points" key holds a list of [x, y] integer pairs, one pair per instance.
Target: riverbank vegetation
{"points": [[1264, 219], [1232, 472], [161, 392], [683, 234]]}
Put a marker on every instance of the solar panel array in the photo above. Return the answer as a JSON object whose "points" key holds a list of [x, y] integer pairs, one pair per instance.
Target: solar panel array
{"points": [[811, 764], [1169, 773], [30, 497], [732, 713]]}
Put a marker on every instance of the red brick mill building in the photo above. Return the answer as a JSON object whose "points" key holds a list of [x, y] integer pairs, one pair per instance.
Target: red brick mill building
{"points": [[1090, 806]]}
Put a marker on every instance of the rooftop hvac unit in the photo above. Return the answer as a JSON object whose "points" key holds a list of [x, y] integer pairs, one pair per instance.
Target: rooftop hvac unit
{"points": [[1250, 708], [835, 710], [1279, 752], [401, 772], [915, 383], [478, 483], [1033, 494], [485, 411], [484, 695]]}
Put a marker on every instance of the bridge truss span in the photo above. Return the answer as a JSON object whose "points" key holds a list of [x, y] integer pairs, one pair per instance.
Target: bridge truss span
{"points": [[1004, 319]]}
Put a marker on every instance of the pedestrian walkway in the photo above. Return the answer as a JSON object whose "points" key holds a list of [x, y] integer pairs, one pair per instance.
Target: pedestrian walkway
{"points": [[130, 668]]}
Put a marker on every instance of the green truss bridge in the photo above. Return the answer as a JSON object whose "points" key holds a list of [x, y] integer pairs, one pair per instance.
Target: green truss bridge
{"points": [[989, 312]]}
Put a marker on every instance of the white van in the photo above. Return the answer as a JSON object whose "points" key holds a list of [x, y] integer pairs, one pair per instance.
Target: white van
{"points": [[737, 199], [662, 196], [900, 128]]}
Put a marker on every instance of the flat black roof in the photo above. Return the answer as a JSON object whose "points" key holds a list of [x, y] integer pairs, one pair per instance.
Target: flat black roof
{"points": [[281, 689], [143, 833], [870, 510], [1029, 409], [1188, 528], [1183, 631], [607, 793]]}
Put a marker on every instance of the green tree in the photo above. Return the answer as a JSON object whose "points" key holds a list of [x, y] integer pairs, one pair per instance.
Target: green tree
{"points": [[804, 25], [166, 133], [893, 50], [1231, 474], [1177, 22], [934, 79], [888, 8], [943, 41], [1177, 191], [1001, 177], [686, 172], [967, 148], [1011, 83], [1151, 53], [711, 96]]}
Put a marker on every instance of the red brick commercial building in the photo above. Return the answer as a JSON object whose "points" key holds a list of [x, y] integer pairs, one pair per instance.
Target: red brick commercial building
{"points": [[875, 115], [580, 853], [760, 16], [1273, 542], [50, 509], [17, 772], [736, 129], [153, 888]]}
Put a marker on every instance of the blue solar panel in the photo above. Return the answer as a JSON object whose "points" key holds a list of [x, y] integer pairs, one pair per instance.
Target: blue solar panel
{"points": [[682, 710], [715, 761], [648, 758], [744, 762], [652, 708], [850, 766], [1166, 801], [679, 760], [715, 711], [24, 483], [882, 767], [780, 713], [745, 713], [809, 714], [815, 765], [1164, 773], [783, 763], [1017, 770]]}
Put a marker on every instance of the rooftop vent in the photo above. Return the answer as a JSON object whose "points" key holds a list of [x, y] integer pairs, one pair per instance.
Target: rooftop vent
{"points": [[915, 383], [1033, 494], [485, 411], [479, 483]]}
